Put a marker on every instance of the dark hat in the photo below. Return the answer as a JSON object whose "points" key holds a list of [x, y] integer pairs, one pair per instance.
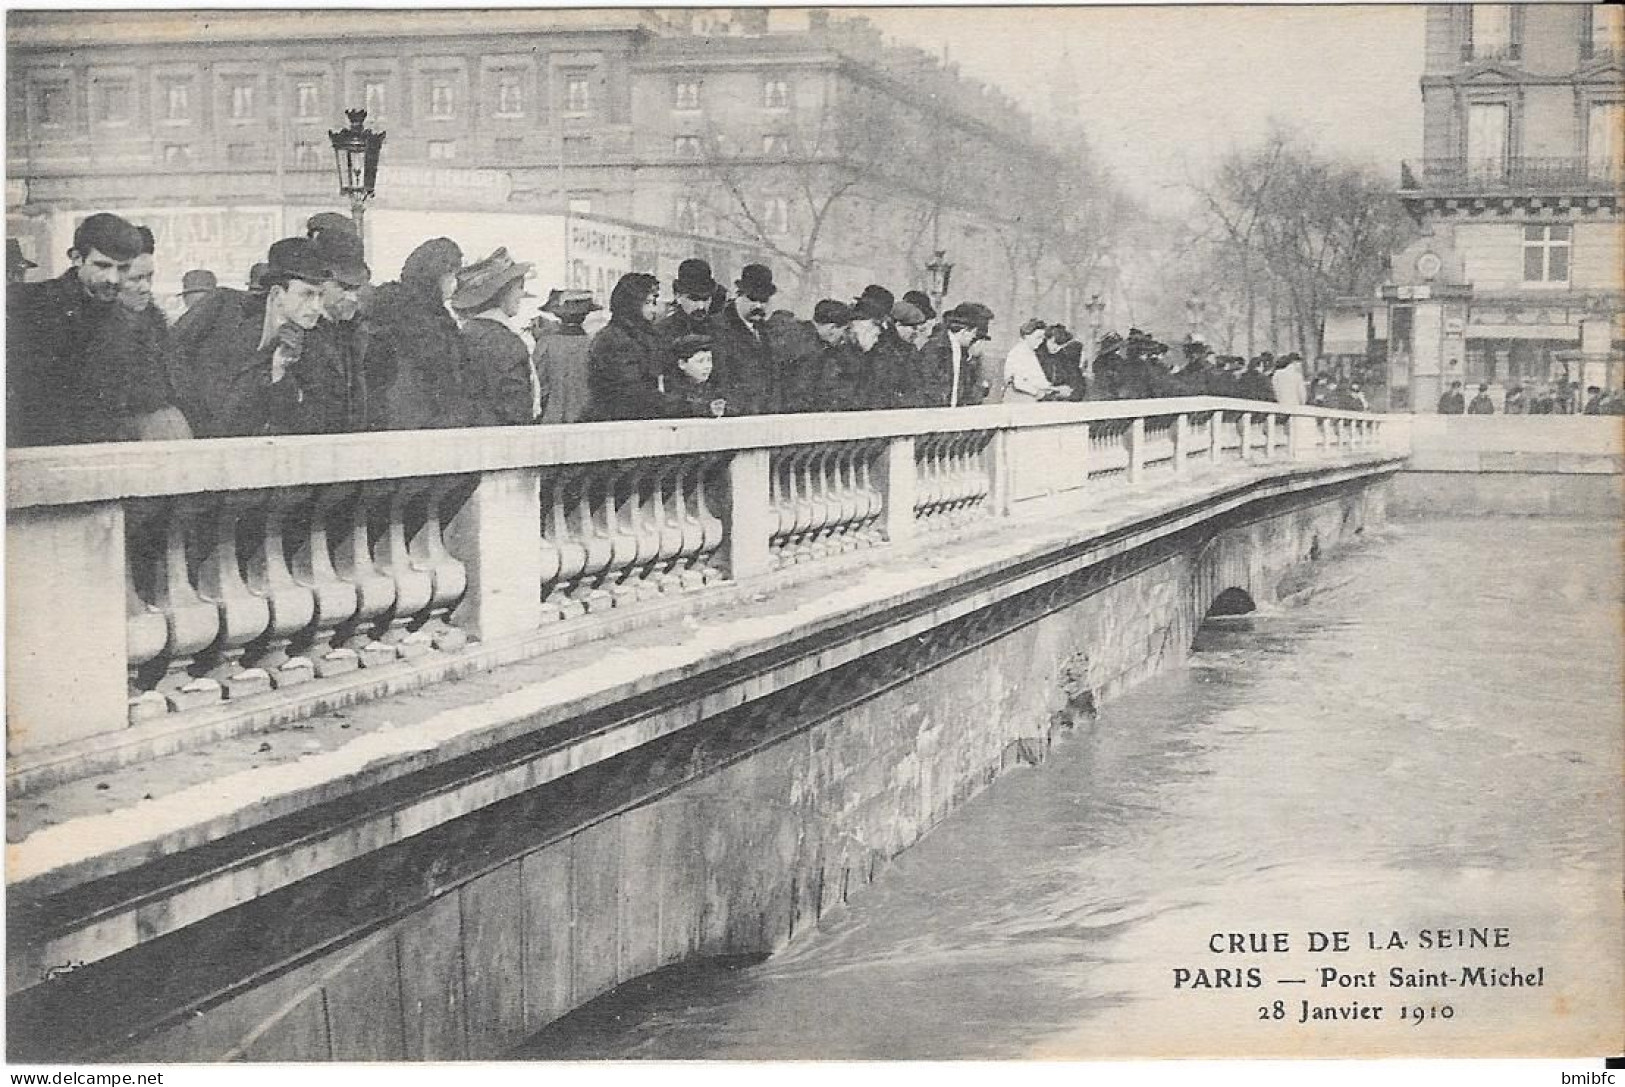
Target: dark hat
{"points": [[481, 282], [15, 261], [694, 279], [257, 274], [756, 282], [1031, 325], [690, 343], [1195, 348], [907, 314], [198, 281], [969, 315], [325, 221], [344, 255], [297, 258], [1111, 341], [830, 312], [874, 304], [108, 234], [564, 302], [920, 301]]}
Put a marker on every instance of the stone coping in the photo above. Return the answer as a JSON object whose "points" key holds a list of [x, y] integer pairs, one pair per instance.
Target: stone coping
{"points": [[343, 756], [112, 471]]}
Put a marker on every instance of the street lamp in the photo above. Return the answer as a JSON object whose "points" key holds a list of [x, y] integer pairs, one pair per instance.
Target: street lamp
{"points": [[1195, 311], [1096, 309], [941, 271], [356, 150]]}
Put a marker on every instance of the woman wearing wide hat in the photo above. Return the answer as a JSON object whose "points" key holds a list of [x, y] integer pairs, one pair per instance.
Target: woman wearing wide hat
{"points": [[560, 357], [501, 387]]}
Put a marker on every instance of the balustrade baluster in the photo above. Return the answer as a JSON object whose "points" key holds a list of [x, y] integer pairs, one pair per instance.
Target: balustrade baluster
{"points": [[648, 524], [292, 606], [669, 524], [865, 469], [375, 588], [592, 526], [193, 623], [449, 576], [561, 534], [715, 531], [388, 502], [689, 568], [244, 615], [146, 631], [335, 598]]}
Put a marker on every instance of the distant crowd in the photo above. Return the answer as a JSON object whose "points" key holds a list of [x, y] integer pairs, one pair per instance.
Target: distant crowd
{"points": [[1557, 398], [312, 347]]}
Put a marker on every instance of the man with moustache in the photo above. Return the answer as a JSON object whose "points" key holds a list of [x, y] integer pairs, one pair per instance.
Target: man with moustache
{"points": [[75, 371], [690, 310], [742, 359]]}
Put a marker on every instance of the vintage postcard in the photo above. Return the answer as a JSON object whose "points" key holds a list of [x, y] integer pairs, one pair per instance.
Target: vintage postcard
{"points": [[1081, 533]]}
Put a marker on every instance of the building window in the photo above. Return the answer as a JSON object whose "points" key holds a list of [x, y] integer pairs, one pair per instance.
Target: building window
{"points": [[577, 148], [306, 155], [442, 150], [374, 96], [1605, 31], [242, 101], [509, 148], [776, 144], [51, 101], [307, 101], [177, 154], [1605, 146], [112, 98], [1490, 33], [577, 94], [776, 215], [510, 95], [239, 154], [1487, 144], [1546, 254], [579, 205], [442, 100], [686, 94], [775, 94], [177, 100], [686, 147]]}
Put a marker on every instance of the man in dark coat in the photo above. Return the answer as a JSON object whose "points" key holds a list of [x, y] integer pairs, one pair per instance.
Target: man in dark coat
{"points": [[910, 329], [77, 364], [331, 365], [1482, 404], [560, 358], [744, 365], [415, 356], [1255, 381], [501, 389], [692, 293], [1108, 366], [952, 377], [240, 356], [799, 380], [1140, 357], [1061, 356], [1453, 402]]}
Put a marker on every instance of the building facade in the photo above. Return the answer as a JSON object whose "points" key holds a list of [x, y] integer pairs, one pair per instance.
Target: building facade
{"points": [[1517, 278], [589, 140]]}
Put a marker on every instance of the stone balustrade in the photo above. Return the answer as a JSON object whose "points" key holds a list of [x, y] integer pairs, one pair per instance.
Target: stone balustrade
{"points": [[175, 587]]}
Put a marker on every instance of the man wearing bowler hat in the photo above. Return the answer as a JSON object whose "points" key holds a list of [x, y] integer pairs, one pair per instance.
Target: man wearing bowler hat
{"points": [[335, 348], [75, 371], [561, 357], [692, 292], [743, 362], [195, 284], [241, 355], [500, 385]]}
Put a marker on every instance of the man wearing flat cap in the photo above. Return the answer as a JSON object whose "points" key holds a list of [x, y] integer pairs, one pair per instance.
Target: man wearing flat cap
{"points": [[332, 362], [241, 355], [561, 357], [501, 388], [75, 369], [743, 361]]}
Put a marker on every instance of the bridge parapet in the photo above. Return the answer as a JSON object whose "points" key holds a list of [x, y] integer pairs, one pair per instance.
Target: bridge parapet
{"points": [[166, 592]]}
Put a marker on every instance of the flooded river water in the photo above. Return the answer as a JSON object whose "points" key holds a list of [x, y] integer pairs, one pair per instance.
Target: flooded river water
{"points": [[1427, 749]]}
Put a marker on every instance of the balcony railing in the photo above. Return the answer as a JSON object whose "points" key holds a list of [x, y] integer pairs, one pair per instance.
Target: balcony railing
{"points": [[228, 586], [1514, 175]]}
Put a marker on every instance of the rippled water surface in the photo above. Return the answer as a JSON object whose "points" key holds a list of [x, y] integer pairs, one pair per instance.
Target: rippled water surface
{"points": [[1431, 740]]}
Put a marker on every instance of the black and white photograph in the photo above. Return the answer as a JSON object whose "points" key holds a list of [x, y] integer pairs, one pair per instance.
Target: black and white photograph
{"points": [[943, 533]]}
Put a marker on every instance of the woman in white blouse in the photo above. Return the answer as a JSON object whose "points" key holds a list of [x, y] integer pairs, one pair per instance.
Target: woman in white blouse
{"points": [[1023, 375]]}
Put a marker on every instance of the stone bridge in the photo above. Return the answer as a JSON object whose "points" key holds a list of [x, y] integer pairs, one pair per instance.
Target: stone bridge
{"points": [[401, 746]]}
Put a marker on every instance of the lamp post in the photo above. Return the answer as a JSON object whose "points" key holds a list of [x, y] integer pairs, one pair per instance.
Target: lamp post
{"points": [[1195, 311], [941, 271], [356, 151], [1096, 309]]}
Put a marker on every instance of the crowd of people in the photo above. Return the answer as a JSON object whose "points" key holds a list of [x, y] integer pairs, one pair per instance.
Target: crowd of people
{"points": [[311, 346], [1557, 398]]}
